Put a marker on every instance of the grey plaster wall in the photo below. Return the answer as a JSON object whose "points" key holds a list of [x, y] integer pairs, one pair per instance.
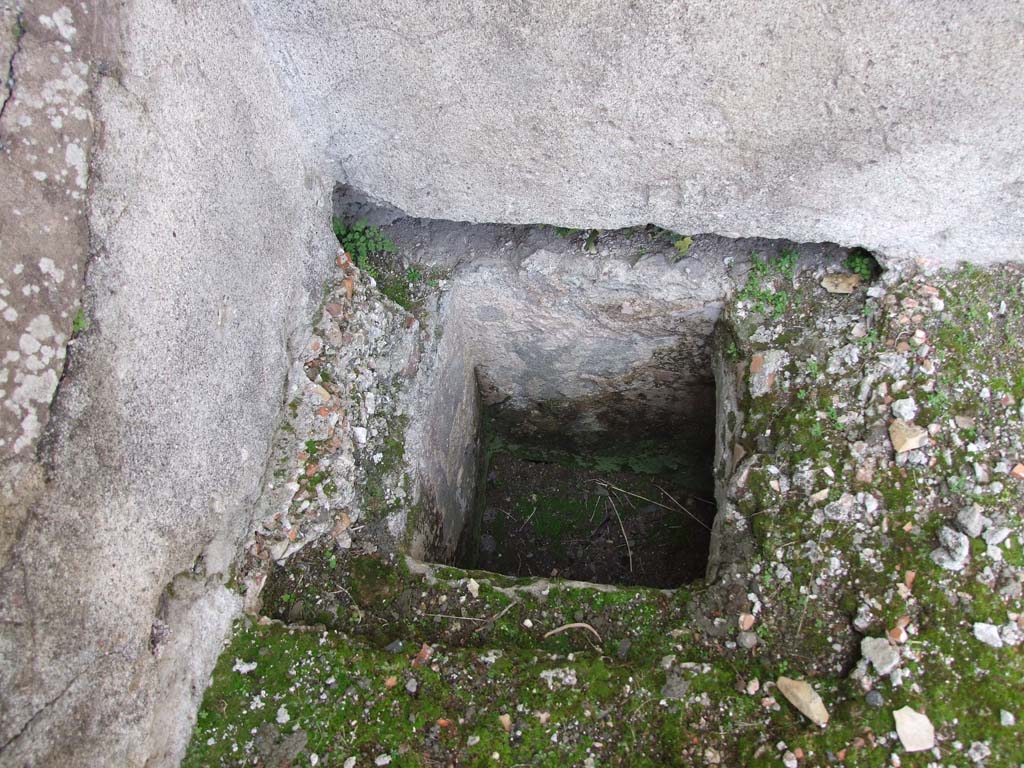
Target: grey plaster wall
{"points": [[206, 230], [887, 124]]}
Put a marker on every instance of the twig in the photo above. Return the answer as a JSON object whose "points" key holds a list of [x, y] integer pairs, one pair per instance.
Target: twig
{"points": [[457, 618], [630, 493], [682, 507], [656, 504], [342, 589], [491, 621], [629, 549], [599, 527], [527, 520], [574, 625]]}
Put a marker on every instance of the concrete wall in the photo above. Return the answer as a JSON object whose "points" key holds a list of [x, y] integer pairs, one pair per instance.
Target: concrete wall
{"points": [[887, 124], [206, 230]]}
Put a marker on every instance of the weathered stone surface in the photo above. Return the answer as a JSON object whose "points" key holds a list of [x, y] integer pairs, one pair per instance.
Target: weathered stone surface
{"points": [[954, 551], [881, 653], [716, 117], [988, 634], [906, 436], [971, 521], [840, 283], [915, 730], [905, 409], [46, 135], [763, 368], [205, 226], [802, 696]]}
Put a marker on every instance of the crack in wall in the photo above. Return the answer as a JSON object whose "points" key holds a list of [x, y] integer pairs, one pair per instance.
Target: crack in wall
{"points": [[54, 699], [11, 79]]}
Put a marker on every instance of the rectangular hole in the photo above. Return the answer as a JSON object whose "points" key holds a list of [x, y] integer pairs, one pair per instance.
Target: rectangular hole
{"points": [[612, 490]]}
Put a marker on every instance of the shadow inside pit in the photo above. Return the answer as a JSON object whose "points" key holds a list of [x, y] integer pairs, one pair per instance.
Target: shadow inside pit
{"points": [[637, 513]]}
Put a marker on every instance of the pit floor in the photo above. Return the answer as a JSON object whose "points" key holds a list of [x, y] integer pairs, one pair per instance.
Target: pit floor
{"points": [[542, 519]]}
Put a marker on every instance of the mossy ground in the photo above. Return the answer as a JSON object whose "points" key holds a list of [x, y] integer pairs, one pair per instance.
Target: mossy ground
{"points": [[825, 559]]}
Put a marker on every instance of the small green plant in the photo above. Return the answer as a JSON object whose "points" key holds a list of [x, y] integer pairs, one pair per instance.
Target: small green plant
{"points": [[732, 351], [682, 246], [870, 339], [361, 241], [80, 323], [413, 275], [287, 597], [759, 291], [785, 264], [566, 231], [591, 245], [813, 368], [937, 401], [862, 263]]}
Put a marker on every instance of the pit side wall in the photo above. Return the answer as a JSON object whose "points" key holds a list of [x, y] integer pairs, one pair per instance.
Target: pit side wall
{"points": [[731, 539], [209, 235], [444, 441]]}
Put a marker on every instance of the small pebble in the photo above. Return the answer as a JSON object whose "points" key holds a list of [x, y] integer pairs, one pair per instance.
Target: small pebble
{"points": [[747, 640], [988, 634], [874, 699], [978, 751]]}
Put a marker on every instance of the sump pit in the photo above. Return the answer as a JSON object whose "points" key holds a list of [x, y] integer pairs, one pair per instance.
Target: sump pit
{"points": [[566, 428], [632, 515], [561, 420]]}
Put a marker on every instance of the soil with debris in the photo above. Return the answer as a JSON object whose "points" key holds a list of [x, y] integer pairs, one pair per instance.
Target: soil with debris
{"points": [[542, 519]]}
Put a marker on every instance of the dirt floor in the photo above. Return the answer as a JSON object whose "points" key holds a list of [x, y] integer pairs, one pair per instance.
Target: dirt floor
{"points": [[543, 519]]}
